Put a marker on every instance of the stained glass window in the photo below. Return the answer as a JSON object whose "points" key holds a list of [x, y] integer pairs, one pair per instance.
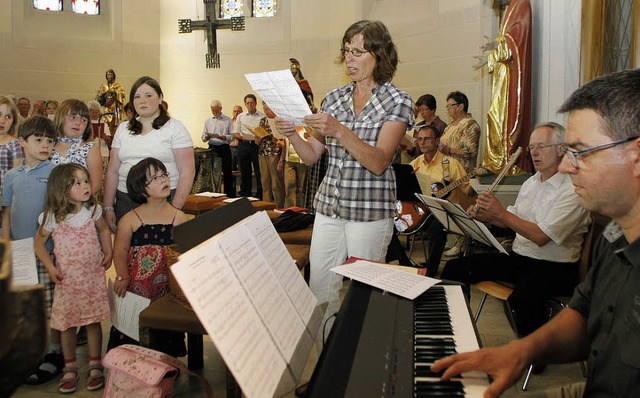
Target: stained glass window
{"points": [[231, 8], [264, 8], [89, 7], [48, 5]]}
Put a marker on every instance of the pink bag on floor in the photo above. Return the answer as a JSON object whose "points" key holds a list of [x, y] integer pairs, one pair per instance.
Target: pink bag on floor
{"points": [[136, 371]]}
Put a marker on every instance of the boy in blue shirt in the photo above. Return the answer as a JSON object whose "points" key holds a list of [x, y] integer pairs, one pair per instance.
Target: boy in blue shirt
{"points": [[23, 197]]}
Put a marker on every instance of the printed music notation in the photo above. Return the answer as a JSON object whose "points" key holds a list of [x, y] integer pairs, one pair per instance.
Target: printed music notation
{"points": [[253, 302]]}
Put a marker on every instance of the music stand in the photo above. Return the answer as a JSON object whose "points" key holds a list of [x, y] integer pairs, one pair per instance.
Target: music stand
{"points": [[455, 219]]}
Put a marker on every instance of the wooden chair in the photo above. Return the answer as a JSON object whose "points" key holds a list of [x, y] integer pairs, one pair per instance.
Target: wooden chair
{"points": [[502, 290]]}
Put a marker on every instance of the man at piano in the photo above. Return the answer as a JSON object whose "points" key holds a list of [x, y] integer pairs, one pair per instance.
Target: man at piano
{"points": [[549, 223], [602, 323], [441, 170]]}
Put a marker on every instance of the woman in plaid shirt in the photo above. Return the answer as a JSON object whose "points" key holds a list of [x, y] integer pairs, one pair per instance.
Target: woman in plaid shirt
{"points": [[360, 124]]}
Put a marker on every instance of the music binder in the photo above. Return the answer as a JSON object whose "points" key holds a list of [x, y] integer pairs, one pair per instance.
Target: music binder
{"points": [[455, 219], [249, 295]]}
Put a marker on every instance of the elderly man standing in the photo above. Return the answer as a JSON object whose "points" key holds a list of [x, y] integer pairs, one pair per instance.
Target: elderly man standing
{"points": [[218, 131], [24, 106]]}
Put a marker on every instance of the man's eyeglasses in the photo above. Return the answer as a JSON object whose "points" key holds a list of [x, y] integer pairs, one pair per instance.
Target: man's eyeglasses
{"points": [[354, 51], [77, 118], [452, 104], [539, 147], [157, 179], [419, 139], [573, 155]]}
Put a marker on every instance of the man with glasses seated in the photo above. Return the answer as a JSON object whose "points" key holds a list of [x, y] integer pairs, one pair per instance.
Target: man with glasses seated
{"points": [[440, 169], [549, 223]]}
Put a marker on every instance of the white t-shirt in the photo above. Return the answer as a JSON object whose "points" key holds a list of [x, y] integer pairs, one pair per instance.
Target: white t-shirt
{"points": [[75, 220], [157, 144]]}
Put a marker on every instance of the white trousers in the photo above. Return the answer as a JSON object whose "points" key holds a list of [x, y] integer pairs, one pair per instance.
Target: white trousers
{"points": [[333, 241]]}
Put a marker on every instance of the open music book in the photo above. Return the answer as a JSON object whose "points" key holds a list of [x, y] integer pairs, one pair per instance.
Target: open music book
{"points": [[250, 297], [259, 131]]}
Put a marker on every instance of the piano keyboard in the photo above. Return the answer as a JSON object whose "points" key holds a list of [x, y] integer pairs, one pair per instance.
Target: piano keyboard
{"points": [[442, 327], [382, 345]]}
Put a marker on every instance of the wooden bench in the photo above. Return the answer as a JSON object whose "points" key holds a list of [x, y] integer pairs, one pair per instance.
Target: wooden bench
{"points": [[197, 205]]}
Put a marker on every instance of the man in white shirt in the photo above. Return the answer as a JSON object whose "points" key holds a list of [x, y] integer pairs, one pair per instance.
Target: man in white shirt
{"points": [[247, 148], [549, 223], [218, 131]]}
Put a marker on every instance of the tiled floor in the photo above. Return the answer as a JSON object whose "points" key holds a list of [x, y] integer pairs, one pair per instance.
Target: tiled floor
{"points": [[492, 326]]}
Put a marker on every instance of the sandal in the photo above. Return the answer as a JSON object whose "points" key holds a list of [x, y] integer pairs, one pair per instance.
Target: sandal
{"points": [[68, 385], [95, 382]]}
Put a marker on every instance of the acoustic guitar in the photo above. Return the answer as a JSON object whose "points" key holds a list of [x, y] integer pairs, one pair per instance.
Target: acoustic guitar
{"points": [[413, 215]]}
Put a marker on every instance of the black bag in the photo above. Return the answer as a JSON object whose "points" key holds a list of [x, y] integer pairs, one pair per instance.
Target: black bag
{"points": [[292, 221]]}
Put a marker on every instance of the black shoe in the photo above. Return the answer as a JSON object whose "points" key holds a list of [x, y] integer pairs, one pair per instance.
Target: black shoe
{"points": [[53, 364], [81, 337]]}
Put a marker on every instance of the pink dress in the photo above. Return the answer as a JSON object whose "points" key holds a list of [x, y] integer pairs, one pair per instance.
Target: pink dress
{"points": [[81, 298]]}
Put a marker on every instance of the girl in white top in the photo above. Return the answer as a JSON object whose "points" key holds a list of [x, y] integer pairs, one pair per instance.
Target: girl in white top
{"points": [[150, 133]]}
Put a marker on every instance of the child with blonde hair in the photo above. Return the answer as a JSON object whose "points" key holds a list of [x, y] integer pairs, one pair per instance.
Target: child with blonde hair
{"points": [[82, 248]]}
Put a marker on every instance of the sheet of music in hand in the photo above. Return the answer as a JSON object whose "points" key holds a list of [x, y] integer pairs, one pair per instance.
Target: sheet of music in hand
{"points": [[282, 93], [250, 297]]}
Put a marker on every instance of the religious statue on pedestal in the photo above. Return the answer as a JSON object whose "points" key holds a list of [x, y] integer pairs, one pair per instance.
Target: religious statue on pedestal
{"points": [[509, 116], [112, 97]]}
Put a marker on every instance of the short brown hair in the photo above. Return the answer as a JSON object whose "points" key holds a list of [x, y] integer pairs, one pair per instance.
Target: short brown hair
{"points": [[377, 40]]}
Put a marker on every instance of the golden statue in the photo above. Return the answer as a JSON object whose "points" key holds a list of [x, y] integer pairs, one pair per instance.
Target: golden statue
{"points": [[509, 116], [112, 97]]}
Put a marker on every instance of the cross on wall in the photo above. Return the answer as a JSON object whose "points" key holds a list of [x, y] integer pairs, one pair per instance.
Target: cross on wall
{"points": [[211, 25]]}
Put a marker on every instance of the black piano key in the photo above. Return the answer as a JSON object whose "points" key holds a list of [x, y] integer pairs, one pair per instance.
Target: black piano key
{"points": [[439, 389], [425, 371]]}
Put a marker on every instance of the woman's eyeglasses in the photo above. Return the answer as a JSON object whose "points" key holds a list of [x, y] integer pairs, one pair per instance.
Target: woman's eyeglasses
{"points": [[354, 51]]}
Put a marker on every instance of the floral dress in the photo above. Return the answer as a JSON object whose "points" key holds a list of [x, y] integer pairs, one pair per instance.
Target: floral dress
{"points": [[81, 298], [147, 259]]}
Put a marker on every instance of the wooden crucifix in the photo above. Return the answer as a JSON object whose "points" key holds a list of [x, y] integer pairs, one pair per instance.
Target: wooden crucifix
{"points": [[211, 25]]}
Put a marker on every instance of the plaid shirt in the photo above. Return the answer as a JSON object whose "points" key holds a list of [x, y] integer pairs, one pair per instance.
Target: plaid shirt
{"points": [[348, 190]]}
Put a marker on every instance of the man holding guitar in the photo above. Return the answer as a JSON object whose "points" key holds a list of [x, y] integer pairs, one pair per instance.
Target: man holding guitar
{"points": [[442, 171], [549, 223]]}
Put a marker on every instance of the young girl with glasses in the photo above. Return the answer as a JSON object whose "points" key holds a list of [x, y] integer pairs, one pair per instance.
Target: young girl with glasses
{"points": [[140, 246]]}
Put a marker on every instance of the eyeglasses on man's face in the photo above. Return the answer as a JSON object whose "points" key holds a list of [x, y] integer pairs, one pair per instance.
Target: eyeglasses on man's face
{"points": [[452, 104], [573, 155], [426, 139], [540, 147], [158, 178], [356, 52]]}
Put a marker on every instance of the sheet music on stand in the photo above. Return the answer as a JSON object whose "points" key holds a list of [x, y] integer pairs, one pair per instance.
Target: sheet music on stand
{"points": [[455, 219], [250, 297]]}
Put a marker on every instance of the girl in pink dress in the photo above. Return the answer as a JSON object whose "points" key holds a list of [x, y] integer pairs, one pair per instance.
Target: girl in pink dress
{"points": [[83, 253]]}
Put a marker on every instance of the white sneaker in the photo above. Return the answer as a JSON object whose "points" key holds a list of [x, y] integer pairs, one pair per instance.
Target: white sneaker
{"points": [[453, 252]]}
